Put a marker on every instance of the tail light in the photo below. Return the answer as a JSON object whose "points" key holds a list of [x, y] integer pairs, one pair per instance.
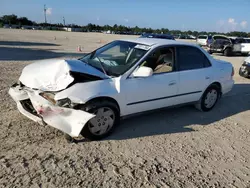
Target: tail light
{"points": [[232, 74]]}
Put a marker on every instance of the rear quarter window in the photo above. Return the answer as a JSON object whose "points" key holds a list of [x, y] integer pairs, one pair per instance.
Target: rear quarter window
{"points": [[189, 58]]}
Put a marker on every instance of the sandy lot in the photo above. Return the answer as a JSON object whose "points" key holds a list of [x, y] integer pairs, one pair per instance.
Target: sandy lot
{"points": [[180, 147]]}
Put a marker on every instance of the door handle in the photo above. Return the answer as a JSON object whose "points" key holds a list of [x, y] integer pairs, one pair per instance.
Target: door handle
{"points": [[172, 83], [207, 77]]}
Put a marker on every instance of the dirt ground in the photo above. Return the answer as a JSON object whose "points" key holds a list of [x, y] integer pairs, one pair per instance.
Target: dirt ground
{"points": [[181, 147]]}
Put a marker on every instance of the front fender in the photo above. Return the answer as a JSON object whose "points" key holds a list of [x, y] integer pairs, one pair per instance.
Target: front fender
{"points": [[80, 93]]}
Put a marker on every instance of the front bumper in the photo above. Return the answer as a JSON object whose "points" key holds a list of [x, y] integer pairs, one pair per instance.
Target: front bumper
{"points": [[38, 109]]}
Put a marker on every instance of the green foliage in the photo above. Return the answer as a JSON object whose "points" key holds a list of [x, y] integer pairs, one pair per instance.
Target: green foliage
{"points": [[119, 29]]}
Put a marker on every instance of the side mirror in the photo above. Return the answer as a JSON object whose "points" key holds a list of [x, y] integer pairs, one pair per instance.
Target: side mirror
{"points": [[143, 72]]}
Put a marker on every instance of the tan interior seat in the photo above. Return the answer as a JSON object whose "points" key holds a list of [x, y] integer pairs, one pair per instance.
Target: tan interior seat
{"points": [[165, 63]]}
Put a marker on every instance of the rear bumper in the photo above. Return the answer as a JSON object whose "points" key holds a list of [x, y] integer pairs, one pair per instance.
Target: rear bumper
{"points": [[38, 109], [227, 86]]}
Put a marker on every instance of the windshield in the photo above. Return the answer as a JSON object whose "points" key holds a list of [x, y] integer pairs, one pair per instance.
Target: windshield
{"points": [[117, 57]]}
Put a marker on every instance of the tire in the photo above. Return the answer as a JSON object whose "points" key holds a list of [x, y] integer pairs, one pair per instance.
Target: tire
{"points": [[100, 121], [227, 52], [244, 54], [202, 106], [244, 74]]}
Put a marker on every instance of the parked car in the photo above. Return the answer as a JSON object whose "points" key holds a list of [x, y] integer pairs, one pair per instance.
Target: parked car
{"points": [[89, 95], [204, 40], [244, 70], [229, 45], [247, 40], [161, 36]]}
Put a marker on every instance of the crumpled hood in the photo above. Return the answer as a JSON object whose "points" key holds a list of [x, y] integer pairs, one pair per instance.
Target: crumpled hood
{"points": [[53, 74]]}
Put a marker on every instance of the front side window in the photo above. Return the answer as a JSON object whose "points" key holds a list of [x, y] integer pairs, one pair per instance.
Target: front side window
{"points": [[160, 60], [189, 58], [115, 58]]}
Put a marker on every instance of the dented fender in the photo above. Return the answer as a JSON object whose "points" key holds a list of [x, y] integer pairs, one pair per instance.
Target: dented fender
{"points": [[82, 92]]}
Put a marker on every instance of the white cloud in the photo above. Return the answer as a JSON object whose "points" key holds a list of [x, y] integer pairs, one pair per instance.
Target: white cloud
{"points": [[49, 11], [232, 24], [229, 25], [243, 24], [97, 18], [126, 20], [231, 21]]}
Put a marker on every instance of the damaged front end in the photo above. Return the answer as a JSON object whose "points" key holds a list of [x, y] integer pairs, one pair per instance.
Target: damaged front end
{"points": [[41, 81], [41, 107]]}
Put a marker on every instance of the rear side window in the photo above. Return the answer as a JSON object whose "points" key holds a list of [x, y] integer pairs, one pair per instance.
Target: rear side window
{"points": [[202, 37], [189, 58], [238, 41]]}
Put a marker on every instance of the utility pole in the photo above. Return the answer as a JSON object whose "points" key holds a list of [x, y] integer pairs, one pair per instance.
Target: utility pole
{"points": [[63, 21], [45, 13]]}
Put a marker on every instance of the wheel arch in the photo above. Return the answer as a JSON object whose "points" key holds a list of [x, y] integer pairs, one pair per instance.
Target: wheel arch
{"points": [[216, 84], [104, 98], [227, 47]]}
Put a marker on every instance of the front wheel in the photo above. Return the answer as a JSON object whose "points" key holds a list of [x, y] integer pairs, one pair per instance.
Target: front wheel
{"points": [[209, 99], [102, 125], [244, 72]]}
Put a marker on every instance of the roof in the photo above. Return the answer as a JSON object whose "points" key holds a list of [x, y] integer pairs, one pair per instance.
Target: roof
{"points": [[157, 41]]}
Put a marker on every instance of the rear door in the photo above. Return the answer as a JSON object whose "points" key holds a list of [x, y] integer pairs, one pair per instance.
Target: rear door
{"points": [[195, 73]]}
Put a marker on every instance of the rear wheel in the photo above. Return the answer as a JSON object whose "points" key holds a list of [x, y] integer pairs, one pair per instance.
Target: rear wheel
{"points": [[209, 99], [227, 52], [102, 125]]}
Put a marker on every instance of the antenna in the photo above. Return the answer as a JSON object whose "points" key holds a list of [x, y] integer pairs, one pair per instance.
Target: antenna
{"points": [[45, 13]]}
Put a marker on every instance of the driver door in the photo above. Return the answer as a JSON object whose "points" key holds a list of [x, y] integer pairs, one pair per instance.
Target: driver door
{"points": [[156, 91]]}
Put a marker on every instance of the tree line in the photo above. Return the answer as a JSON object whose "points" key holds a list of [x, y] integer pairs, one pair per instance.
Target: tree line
{"points": [[119, 29]]}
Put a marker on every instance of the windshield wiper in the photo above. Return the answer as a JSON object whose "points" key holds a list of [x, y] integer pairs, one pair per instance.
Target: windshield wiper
{"points": [[101, 63]]}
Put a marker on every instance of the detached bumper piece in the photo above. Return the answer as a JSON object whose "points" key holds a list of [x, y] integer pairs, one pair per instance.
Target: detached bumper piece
{"points": [[38, 109]]}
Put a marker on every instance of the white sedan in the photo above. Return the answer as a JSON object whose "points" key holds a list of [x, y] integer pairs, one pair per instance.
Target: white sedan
{"points": [[88, 96]]}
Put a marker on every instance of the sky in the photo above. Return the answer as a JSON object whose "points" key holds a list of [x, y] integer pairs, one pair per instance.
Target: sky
{"points": [[199, 15]]}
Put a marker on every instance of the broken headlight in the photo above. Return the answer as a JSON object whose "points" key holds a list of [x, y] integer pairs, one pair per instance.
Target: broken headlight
{"points": [[64, 102], [49, 96]]}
